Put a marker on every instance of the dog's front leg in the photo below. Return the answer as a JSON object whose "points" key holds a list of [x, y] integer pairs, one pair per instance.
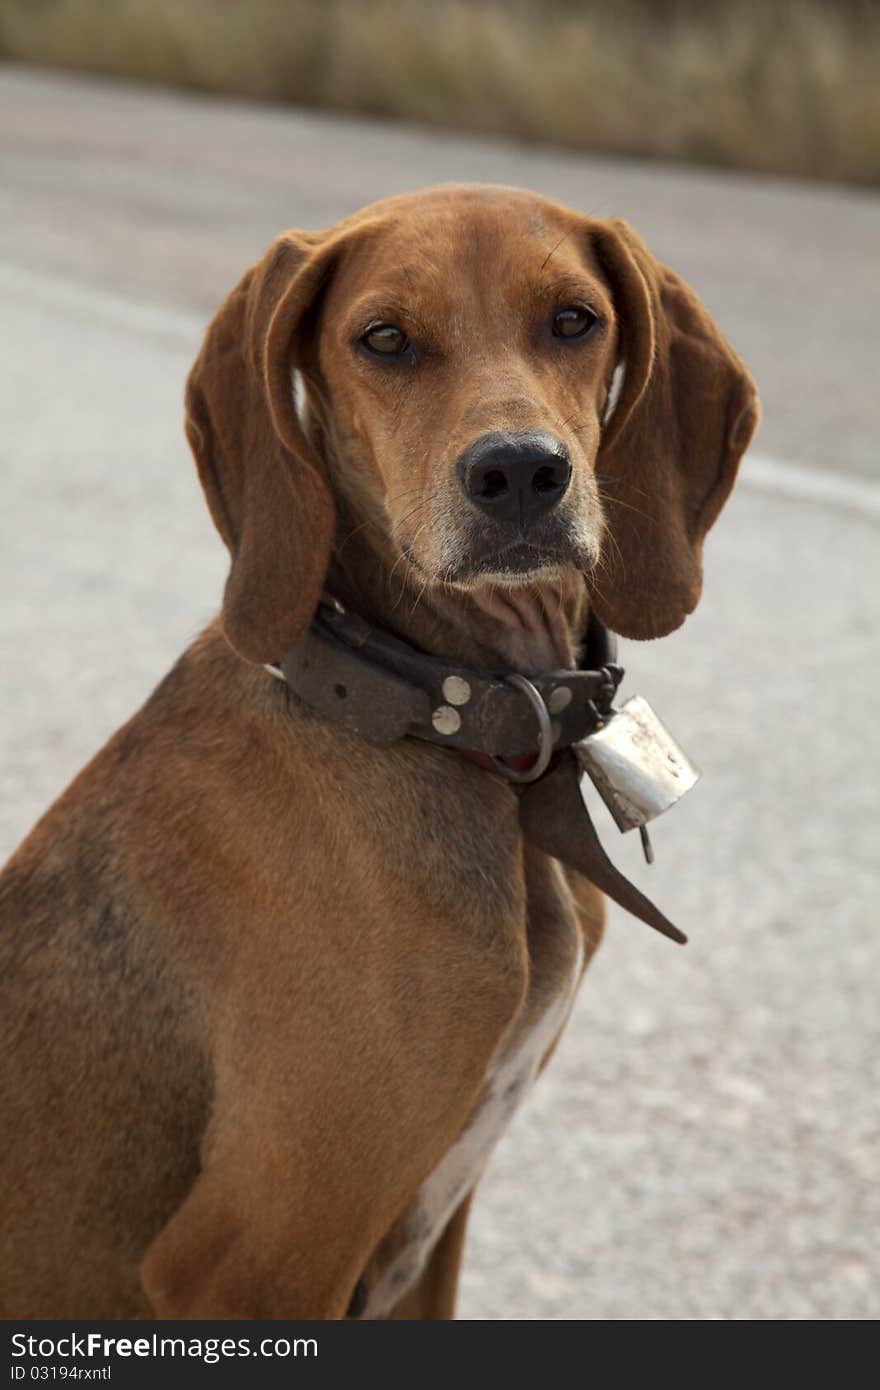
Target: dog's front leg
{"points": [[235, 1250], [302, 1174], [293, 1196]]}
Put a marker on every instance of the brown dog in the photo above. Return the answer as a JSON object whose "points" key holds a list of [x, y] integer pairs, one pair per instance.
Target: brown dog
{"points": [[272, 990]]}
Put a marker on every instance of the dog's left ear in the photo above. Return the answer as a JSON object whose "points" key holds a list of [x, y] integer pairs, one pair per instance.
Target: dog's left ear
{"points": [[263, 485], [671, 447]]}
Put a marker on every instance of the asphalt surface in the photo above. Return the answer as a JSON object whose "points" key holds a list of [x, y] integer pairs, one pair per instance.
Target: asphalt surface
{"points": [[705, 1143]]}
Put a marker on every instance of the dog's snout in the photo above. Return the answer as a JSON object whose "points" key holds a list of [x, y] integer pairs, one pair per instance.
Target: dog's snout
{"points": [[515, 477]]}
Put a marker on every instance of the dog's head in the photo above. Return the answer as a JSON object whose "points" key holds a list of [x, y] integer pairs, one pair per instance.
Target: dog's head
{"points": [[503, 387]]}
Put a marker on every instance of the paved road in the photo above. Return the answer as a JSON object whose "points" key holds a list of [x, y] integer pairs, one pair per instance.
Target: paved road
{"points": [[705, 1143]]}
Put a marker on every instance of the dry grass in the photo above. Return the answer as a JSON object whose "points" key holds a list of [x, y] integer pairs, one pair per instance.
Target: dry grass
{"points": [[791, 88]]}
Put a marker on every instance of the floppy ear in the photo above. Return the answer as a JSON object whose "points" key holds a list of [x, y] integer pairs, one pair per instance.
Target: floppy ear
{"points": [[670, 451], [261, 480]]}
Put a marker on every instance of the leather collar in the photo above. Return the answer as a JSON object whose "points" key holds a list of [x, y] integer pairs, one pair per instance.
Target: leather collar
{"points": [[356, 674]]}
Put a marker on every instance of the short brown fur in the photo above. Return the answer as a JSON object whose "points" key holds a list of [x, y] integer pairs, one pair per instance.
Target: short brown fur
{"points": [[255, 970]]}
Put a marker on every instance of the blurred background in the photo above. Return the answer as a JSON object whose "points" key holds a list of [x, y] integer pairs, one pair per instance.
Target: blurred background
{"points": [[705, 1143], [788, 88]]}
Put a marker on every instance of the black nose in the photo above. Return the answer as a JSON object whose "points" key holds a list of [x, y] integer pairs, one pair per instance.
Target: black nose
{"points": [[515, 477]]}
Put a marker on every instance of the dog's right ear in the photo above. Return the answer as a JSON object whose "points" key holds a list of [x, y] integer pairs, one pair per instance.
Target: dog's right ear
{"points": [[261, 480]]}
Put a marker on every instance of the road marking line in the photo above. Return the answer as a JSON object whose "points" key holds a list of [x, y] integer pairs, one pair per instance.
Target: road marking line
{"points": [[765, 474], [760, 472]]}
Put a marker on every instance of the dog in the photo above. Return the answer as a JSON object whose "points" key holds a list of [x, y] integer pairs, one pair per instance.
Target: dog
{"points": [[272, 987]]}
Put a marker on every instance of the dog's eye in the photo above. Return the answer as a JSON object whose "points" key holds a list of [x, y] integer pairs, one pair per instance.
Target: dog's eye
{"points": [[575, 322], [386, 340]]}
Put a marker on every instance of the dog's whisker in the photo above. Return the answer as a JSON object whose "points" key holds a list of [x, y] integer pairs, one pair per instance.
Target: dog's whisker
{"points": [[402, 557], [628, 507], [605, 479], [370, 521]]}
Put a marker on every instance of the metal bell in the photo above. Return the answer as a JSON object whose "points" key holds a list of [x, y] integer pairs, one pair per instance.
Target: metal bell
{"points": [[635, 764]]}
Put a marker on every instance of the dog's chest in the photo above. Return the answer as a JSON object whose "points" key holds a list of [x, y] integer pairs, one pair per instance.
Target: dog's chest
{"points": [[508, 1081]]}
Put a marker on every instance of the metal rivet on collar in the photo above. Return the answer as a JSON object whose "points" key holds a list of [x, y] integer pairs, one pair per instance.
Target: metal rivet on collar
{"points": [[446, 720], [330, 601], [560, 699], [456, 690]]}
